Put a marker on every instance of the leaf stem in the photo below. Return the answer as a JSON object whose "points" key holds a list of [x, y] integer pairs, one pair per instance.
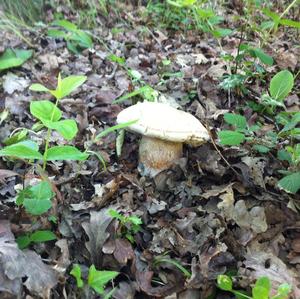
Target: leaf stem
{"points": [[48, 137]]}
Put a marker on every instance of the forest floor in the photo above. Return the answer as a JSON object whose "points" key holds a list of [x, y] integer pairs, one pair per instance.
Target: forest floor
{"points": [[218, 210]]}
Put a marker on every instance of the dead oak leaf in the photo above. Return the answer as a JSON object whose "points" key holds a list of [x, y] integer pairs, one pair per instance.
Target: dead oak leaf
{"points": [[17, 265], [123, 251], [260, 255], [96, 231]]}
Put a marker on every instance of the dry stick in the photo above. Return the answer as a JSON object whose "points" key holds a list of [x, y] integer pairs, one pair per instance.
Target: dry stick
{"points": [[220, 154]]}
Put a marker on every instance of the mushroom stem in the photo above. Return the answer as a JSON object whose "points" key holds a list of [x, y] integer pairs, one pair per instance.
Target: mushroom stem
{"points": [[156, 155]]}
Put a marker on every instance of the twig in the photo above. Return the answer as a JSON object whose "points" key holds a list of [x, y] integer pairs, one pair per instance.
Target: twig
{"points": [[218, 151]]}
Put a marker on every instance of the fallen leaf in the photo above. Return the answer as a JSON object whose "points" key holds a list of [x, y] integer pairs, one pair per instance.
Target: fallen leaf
{"points": [[123, 251], [23, 267], [14, 83], [96, 231]]}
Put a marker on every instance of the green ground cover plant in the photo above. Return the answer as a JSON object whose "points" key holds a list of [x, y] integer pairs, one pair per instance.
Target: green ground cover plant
{"points": [[77, 39], [280, 86], [261, 289], [129, 225], [96, 280]]}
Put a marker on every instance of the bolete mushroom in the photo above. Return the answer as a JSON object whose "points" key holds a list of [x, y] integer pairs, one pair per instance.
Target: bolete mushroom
{"points": [[164, 131]]}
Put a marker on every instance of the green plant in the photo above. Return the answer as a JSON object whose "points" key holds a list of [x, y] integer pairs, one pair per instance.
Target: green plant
{"points": [[280, 86], [129, 225], [242, 132], [261, 289], [96, 280], [248, 63], [13, 58], [76, 38], [38, 236], [143, 90], [37, 199]]}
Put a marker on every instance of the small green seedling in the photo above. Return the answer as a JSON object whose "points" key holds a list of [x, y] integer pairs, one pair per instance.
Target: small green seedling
{"points": [[38, 236], [247, 64], [261, 289], [242, 131], [129, 225], [14, 58], [291, 180], [76, 39], [146, 92], [96, 280], [37, 199], [280, 86]]}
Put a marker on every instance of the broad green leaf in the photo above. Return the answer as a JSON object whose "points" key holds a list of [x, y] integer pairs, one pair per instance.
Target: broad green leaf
{"points": [[290, 183], [228, 137], [292, 123], [36, 237], [236, 120], [98, 279], [283, 291], [23, 241], [115, 214], [23, 150], [83, 39], [42, 190], [38, 200], [13, 58], [67, 128], [261, 148], [67, 85], [65, 24], [38, 87], [224, 282], [261, 288], [45, 110], [37, 207], [76, 272], [56, 33], [284, 155], [40, 236], [72, 47], [263, 57], [221, 32], [281, 85], [65, 152]]}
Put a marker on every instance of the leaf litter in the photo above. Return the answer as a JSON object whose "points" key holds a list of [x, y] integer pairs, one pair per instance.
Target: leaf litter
{"points": [[210, 213]]}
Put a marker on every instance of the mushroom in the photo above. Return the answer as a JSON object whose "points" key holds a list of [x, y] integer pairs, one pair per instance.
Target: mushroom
{"points": [[164, 131]]}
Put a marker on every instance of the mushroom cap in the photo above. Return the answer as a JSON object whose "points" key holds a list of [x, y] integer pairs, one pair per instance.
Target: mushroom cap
{"points": [[162, 121]]}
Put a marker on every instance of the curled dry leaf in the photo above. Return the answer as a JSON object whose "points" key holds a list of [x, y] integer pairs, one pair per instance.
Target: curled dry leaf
{"points": [[263, 262], [96, 231], [22, 267]]}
